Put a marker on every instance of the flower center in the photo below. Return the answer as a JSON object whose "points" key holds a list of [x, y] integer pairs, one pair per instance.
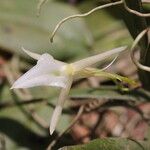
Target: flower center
{"points": [[69, 69]]}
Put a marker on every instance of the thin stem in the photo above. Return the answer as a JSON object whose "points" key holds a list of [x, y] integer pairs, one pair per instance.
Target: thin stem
{"points": [[24, 102], [110, 63], [81, 15], [39, 6], [134, 11], [136, 41]]}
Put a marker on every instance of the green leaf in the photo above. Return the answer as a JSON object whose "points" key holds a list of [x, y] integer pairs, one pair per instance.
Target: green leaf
{"points": [[111, 144], [104, 25], [21, 122], [19, 26], [109, 92]]}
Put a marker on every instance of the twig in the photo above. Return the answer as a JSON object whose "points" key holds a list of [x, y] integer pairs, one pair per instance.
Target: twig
{"points": [[39, 6], [104, 105], [98, 123], [24, 102], [39, 119], [81, 109], [134, 11], [134, 140], [42, 2], [136, 41], [2, 142], [82, 15], [110, 64]]}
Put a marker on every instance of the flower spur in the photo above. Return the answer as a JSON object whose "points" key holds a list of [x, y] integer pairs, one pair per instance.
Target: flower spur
{"points": [[51, 72]]}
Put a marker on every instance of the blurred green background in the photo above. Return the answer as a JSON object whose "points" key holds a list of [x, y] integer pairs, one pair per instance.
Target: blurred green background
{"points": [[77, 38]]}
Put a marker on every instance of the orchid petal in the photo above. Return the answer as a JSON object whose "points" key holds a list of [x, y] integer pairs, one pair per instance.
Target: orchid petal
{"points": [[55, 118], [38, 56], [45, 68], [51, 72], [87, 62], [58, 110], [31, 54], [44, 80]]}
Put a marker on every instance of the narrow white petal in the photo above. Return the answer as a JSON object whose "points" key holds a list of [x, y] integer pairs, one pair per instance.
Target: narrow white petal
{"points": [[62, 97], [55, 118], [38, 56], [31, 54], [87, 62], [44, 80]]}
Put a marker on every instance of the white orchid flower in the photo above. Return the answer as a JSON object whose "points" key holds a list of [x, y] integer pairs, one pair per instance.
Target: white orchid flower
{"points": [[51, 72]]}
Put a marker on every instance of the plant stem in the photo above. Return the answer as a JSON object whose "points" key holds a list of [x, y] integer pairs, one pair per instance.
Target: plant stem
{"points": [[137, 24]]}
